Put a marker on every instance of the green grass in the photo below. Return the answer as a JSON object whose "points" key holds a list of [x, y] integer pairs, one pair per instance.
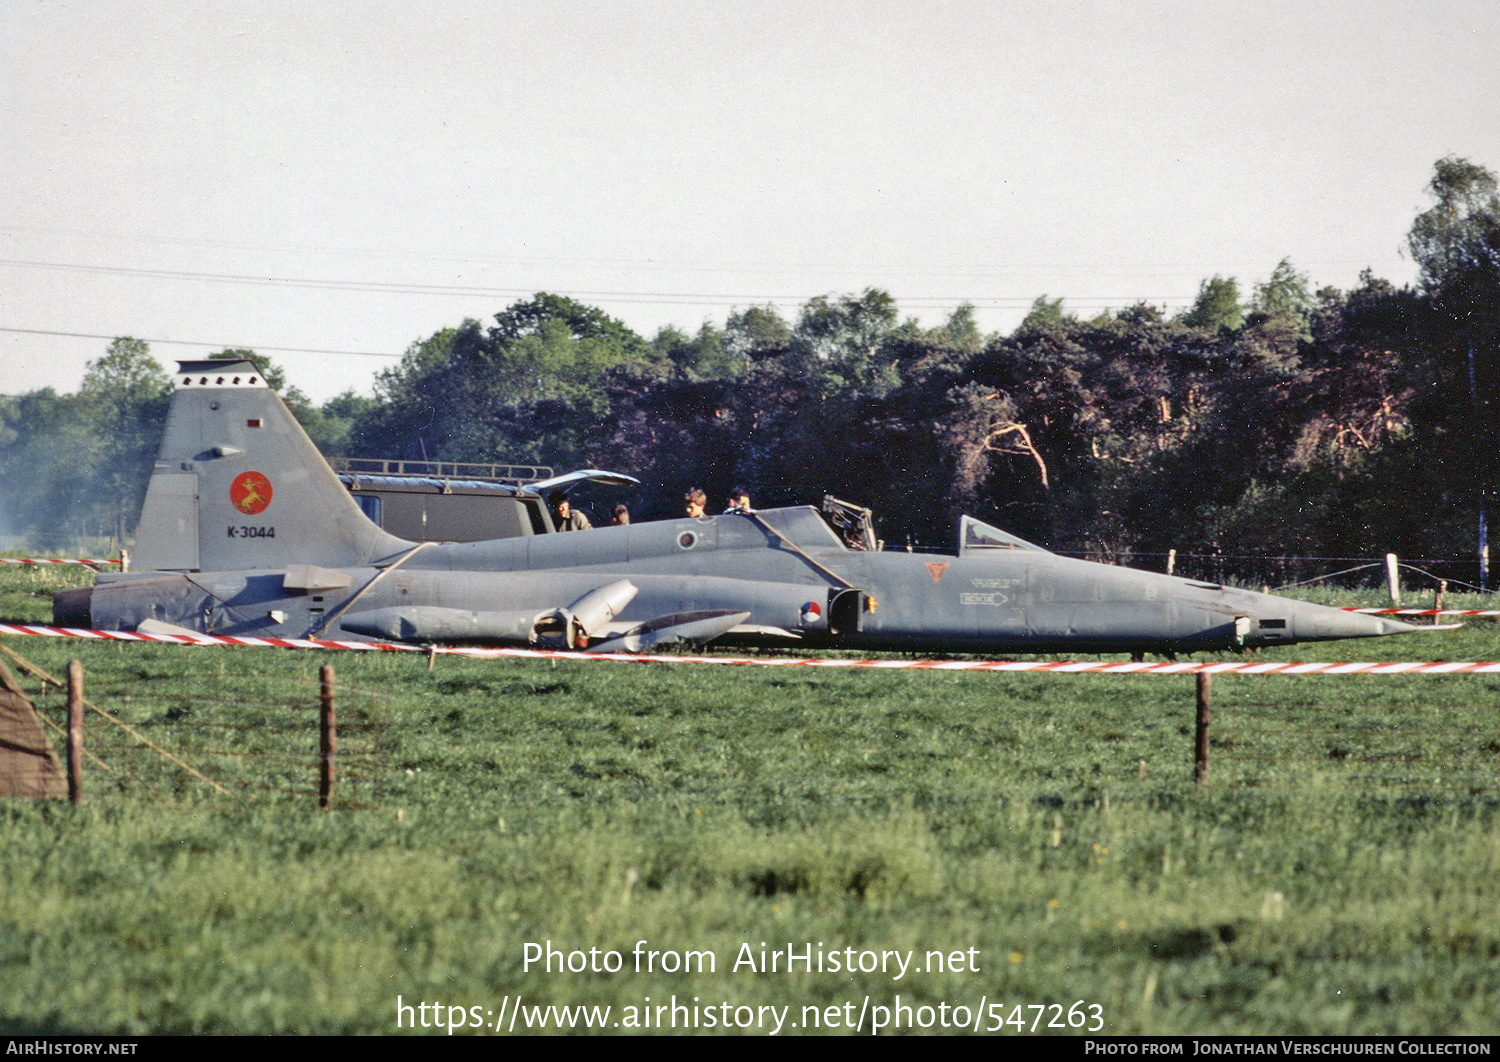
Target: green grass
{"points": [[1339, 875]]}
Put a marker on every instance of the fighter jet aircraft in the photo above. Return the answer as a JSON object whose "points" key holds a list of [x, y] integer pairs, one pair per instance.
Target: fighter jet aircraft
{"points": [[247, 531]]}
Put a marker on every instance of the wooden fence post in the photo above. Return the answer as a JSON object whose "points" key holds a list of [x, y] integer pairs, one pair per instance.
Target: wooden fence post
{"points": [[75, 732], [327, 739], [1393, 576], [1200, 740]]}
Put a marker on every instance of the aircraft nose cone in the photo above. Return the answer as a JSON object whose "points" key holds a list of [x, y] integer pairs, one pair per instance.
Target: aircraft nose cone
{"points": [[1315, 623]]}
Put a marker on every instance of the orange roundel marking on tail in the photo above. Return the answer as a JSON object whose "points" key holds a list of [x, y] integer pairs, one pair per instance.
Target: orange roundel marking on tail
{"points": [[250, 492]]}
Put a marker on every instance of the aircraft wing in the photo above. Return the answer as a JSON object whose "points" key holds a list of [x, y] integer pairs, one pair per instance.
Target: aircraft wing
{"points": [[587, 623]]}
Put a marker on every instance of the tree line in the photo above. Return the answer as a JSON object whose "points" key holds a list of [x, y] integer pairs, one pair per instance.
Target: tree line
{"points": [[1279, 421]]}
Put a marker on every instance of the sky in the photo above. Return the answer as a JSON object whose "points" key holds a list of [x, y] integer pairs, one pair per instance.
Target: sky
{"points": [[327, 184]]}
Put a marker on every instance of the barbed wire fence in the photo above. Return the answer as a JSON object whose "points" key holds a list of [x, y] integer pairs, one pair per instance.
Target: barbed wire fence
{"points": [[250, 738]]}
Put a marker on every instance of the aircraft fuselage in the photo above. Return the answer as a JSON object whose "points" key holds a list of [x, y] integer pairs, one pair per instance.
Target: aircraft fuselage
{"points": [[986, 600]]}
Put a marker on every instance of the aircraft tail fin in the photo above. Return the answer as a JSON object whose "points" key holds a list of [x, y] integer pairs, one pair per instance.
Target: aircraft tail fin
{"points": [[239, 485]]}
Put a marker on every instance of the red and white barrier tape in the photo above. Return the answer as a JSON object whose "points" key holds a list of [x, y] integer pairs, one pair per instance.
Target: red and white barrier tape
{"points": [[59, 560], [202, 639], [1072, 667], [1425, 611]]}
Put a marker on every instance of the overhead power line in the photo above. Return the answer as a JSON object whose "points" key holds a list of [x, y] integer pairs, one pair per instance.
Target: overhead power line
{"points": [[196, 343], [1011, 268], [470, 291]]}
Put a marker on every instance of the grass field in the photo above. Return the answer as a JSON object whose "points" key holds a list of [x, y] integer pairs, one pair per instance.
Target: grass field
{"points": [[1339, 874]]}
